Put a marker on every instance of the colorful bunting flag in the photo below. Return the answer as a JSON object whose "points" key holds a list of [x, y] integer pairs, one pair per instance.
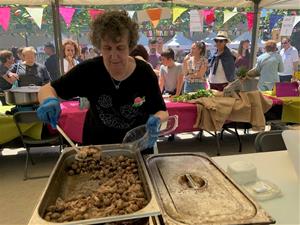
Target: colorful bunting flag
{"points": [[196, 20], [4, 17], [95, 12], [297, 20], [177, 11], [263, 12], [287, 25], [273, 20], [67, 14], [209, 16], [142, 16], [154, 15], [130, 13], [37, 14], [228, 15], [250, 17]]}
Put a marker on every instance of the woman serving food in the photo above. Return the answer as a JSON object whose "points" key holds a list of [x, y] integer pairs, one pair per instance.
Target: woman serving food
{"points": [[123, 91]]}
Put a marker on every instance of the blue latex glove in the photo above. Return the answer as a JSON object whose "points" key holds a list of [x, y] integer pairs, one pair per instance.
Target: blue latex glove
{"points": [[49, 111], [153, 128]]}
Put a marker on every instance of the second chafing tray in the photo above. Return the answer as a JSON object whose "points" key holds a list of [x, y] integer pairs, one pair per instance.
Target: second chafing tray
{"points": [[191, 189], [60, 184]]}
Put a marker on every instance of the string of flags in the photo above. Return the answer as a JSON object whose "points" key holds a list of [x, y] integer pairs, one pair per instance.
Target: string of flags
{"points": [[154, 15]]}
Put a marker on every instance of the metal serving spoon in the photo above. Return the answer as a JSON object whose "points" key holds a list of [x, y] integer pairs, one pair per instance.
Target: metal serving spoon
{"points": [[71, 143]]}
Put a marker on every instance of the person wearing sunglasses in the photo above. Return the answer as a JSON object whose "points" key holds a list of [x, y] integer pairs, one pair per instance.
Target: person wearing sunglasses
{"points": [[290, 58], [221, 64]]}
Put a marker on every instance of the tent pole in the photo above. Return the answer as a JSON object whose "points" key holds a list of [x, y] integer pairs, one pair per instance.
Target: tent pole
{"points": [[254, 33], [57, 34]]}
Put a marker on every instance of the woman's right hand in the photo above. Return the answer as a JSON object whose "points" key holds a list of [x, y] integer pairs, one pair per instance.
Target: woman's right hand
{"points": [[49, 111]]}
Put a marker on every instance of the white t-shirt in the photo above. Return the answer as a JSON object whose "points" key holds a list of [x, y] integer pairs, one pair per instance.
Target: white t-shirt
{"points": [[219, 77], [66, 64], [289, 56], [170, 75]]}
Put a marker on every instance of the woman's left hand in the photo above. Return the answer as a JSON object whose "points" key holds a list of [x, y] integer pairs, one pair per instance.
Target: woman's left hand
{"points": [[153, 126]]}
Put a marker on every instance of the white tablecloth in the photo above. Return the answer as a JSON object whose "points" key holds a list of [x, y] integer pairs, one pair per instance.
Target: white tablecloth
{"points": [[277, 168]]}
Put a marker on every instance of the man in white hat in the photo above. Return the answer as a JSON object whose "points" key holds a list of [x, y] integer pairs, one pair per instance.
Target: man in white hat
{"points": [[222, 67]]}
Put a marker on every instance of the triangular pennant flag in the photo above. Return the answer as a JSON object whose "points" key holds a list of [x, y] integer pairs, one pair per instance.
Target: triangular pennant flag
{"points": [[142, 16], [67, 14], [177, 11], [297, 20], [4, 17], [154, 15], [273, 20], [131, 13], [228, 15], [196, 21], [209, 15], [165, 13], [263, 12], [37, 14], [250, 17], [94, 12]]}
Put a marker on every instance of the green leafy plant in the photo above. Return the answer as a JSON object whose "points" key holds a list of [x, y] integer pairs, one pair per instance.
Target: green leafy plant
{"points": [[193, 95], [241, 72]]}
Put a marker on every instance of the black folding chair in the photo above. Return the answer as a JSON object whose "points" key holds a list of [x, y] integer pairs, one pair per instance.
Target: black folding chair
{"points": [[47, 139], [269, 141]]}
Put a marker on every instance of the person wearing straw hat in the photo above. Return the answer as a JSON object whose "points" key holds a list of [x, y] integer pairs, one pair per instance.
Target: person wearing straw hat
{"points": [[221, 64]]}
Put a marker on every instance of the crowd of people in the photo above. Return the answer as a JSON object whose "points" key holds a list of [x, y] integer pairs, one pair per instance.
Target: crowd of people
{"points": [[196, 71]]}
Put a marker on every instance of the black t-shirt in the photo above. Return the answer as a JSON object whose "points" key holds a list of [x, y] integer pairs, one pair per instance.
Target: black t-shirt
{"points": [[52, 66], [112, 111], [36, 74], [4, 85]]}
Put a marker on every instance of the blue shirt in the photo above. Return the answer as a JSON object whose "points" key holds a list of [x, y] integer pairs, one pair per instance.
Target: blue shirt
{"points": [[270, 63]]}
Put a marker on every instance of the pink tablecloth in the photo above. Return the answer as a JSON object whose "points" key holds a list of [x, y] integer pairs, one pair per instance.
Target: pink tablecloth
{"points": [[276, 100], [72, 117], [72, 120], [187, 114]]}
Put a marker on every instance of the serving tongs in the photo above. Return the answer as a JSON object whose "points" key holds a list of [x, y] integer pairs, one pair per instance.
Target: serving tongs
{"points": [[78, 151]]}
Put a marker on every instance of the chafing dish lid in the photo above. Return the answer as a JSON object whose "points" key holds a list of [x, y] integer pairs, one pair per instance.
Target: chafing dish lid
{"points": [[191, 189]]}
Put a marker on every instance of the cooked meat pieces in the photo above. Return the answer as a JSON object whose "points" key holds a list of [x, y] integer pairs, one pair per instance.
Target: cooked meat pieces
{"points": [[89, 152], [113, 187]]}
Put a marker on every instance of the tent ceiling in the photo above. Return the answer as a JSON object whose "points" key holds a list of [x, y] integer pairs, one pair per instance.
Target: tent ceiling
{"points": [[275, 4]]}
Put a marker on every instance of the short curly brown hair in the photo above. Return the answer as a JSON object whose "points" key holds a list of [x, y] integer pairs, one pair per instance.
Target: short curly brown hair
{"points": [[114, 24], [70, 42], [270, 46]]}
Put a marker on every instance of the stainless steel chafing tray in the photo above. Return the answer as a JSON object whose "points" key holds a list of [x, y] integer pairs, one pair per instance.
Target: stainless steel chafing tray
{"points": [[59, 182], [191, 189]]}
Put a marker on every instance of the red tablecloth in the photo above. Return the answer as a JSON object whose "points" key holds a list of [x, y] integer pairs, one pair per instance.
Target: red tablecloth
{"points": [[72, 117], [187, 114]]}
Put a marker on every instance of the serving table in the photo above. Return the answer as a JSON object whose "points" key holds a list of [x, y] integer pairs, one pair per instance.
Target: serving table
{"points": [[277, 168], [8, 128]]}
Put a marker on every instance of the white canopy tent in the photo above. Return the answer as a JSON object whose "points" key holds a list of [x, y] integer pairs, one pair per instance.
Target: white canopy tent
{"points": [[244, 36], [143, 40], [179, 41]]}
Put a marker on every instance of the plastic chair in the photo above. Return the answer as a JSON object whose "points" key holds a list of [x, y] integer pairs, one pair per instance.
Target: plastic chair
{"points": [[47, 139], [269, 141]]}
